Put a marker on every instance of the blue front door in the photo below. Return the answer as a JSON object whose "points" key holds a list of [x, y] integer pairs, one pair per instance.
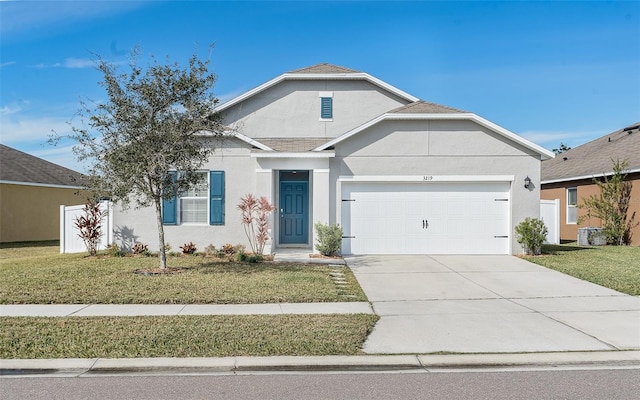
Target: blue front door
{"points": [[294, 212]]}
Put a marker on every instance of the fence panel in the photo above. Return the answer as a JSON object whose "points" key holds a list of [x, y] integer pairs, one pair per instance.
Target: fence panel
{"points": [[550, 215], [70, 242]]}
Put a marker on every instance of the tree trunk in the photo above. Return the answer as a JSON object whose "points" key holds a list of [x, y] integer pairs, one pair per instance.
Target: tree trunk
{"points": [[163, 252]]}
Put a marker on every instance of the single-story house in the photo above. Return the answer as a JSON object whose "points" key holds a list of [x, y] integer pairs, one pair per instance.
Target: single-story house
{"points": [[333, 145], [569, 177], [31, 192]]}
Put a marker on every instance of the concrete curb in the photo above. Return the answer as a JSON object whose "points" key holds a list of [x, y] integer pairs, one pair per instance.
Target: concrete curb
{"points": [[381, 363]]}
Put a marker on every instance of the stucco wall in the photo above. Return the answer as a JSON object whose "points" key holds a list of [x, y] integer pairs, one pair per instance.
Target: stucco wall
{"points": [[292, 109], [587, 188], [32, 213], [231, 156], [423, 148]]}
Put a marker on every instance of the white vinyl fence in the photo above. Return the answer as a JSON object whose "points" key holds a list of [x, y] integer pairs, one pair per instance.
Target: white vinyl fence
{"points": [[550, 215], [70, 242]]}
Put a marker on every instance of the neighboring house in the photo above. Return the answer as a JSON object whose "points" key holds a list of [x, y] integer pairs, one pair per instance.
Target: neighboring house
{"points": [[31, 192], [569, 177], [332, 145]]}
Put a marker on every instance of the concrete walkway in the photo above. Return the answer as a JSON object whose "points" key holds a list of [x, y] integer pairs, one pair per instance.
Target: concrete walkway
{"points": [[490, 304]]}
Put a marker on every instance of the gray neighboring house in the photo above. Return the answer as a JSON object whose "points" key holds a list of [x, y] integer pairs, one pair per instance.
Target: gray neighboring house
{"points": [[31, 192], [333, 145]]}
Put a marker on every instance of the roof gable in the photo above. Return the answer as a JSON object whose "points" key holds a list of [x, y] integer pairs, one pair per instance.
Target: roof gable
{"points": [[429, 111], [595, 158], [19, 167], [319, 72]]}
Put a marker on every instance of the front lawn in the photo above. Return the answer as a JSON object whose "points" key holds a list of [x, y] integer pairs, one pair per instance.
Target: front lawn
{"points": [[184, 336], [616, 267], [39, 275]]}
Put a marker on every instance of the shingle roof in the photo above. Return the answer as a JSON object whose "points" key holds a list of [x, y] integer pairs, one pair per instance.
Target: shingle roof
{"points": [[324, 68], [595, 157], [16, 166], [424, 107], [289, 145]]}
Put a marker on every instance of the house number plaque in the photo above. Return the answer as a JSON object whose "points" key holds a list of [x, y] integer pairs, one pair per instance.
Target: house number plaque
{"points": [[427, 178]]}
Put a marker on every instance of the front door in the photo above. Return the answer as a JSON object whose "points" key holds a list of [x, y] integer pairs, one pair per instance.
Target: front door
{"points": [[294, 207]]}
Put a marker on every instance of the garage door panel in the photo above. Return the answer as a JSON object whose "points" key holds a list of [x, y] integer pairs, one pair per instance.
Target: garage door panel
{"points": [[431, 218]]}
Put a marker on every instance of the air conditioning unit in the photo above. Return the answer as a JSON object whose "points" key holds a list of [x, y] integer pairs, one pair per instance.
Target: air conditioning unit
{"points": [[591, 236]]}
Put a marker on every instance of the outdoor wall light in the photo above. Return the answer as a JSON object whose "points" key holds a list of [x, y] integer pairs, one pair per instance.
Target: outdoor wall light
{"points": [[527, 182]]}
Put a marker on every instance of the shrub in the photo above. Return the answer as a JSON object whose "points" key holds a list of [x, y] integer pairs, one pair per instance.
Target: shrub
{"points": [[255, 219], [140, 248], [329, 238], [188, 248], [90, 226], [115, 251], [229, 249], [250, 258], [531, 233], [210, 251]]}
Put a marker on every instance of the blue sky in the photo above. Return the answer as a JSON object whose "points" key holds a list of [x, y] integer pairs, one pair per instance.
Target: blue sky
{"points": [[551, 72]]}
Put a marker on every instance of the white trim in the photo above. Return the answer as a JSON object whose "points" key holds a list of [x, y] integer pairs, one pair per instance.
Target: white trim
{"points": [[324, 154], [325, 94], [263, 171], [323, 170], [571, 205], [427, 178], [298, 76], [577, 178], [248, 140], [544, 153], [49, 185]]}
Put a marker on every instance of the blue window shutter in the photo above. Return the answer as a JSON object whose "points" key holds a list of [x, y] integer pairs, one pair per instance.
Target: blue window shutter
{"points": [[326, 107], [216, 197], [170, 207]]}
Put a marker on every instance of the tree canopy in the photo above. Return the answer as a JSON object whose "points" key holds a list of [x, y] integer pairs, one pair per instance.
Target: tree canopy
{"points": [[154, 119]]}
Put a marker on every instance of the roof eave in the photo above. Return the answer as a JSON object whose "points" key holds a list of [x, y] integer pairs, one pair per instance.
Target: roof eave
{"points": [[582, 177]]}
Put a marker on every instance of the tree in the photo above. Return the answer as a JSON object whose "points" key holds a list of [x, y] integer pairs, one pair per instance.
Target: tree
{"points": [[563, 147], [154, 120], [611, 205]]}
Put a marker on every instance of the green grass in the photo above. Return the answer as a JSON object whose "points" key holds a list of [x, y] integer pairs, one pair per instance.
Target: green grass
{"points": [[39, 275], [615, 267], [183, 336]]}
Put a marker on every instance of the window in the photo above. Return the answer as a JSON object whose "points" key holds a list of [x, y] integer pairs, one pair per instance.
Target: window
{"points": [[193, 202], [326, 106], [202, 203], [572, 205]]}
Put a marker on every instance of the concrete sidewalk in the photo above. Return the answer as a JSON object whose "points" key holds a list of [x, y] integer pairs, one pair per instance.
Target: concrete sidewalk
{"points": [[365, 363], [128, 310]]}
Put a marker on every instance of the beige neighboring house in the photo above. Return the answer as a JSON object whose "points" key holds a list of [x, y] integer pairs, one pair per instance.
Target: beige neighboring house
{"points": [[569, 177], [31, 192]]}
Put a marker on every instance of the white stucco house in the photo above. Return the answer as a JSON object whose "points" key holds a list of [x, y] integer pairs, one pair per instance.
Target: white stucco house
{"points": [[333, 145]]}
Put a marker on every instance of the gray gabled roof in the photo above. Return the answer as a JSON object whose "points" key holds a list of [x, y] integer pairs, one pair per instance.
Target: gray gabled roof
{"points": [[424, 107], [595, 158], [19, 167], [324, 68]]}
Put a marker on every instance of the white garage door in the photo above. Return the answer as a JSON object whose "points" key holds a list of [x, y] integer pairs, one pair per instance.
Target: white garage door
{"points": [[425, 218]]}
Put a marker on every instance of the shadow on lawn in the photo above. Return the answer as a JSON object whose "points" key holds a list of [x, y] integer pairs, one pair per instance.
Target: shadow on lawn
{"points": [[556, 249]]}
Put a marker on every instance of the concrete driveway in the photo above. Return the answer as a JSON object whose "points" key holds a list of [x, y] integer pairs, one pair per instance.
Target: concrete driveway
{"points": [[488, 304]]}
